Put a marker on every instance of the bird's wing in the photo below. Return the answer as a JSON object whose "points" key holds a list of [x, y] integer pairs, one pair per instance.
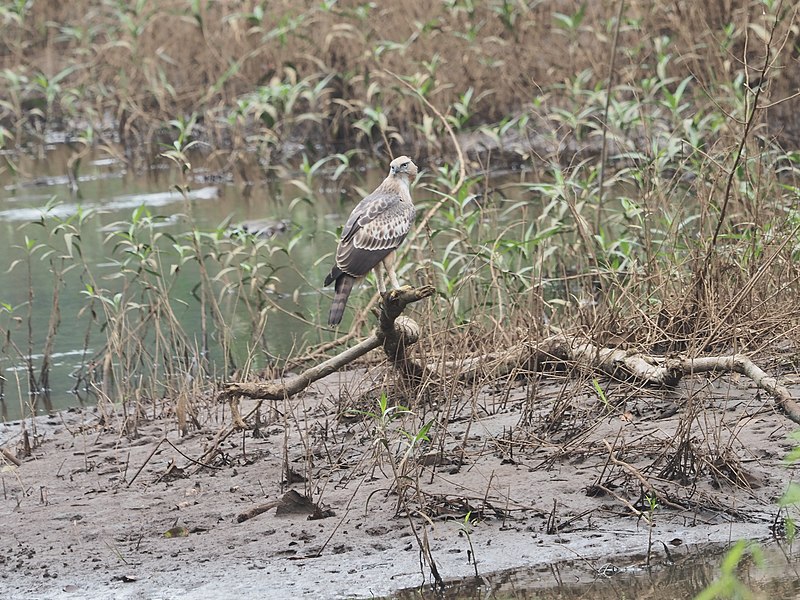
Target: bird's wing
{"points": [[377, 225]]}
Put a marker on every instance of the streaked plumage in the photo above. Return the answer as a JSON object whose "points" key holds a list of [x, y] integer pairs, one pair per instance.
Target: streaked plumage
{"points": [[375, 228]]}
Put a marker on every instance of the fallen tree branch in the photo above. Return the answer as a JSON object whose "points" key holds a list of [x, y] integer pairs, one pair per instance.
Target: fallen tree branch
{"points": [[278, 390], [624, 364], [739, 363], [394, 334]]}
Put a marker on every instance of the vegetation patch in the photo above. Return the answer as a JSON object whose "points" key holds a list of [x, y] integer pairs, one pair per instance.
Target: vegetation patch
{"points": [[604, 267]]}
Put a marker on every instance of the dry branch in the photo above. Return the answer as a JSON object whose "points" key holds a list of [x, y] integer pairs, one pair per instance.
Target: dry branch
{"points": [[621, 364], [9, 456], [292, 502], [739, 363], [394, 334]]}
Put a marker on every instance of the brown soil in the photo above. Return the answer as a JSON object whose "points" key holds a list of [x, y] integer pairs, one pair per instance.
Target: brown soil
{"points": [[79, 519]]}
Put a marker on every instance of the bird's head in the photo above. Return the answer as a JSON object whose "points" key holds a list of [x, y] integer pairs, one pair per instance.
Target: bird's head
{"points": [[402, 166]]}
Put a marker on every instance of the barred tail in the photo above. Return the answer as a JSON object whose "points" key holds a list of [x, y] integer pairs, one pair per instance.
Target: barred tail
{"points": [[344, 285]]}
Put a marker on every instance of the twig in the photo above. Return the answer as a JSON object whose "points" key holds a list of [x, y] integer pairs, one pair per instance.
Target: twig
{"points": [[740, 150], [630, 506], [462, 171], [9, 456], [147, 460], [189, 458], [629, 468], [745, 291]]}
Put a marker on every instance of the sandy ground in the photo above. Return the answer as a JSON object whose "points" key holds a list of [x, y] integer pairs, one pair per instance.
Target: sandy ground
{"points": [[93, 513]]}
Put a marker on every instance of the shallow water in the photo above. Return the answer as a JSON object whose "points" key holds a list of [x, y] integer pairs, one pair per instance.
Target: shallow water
{"points": [[106, 188], [775, 575]]}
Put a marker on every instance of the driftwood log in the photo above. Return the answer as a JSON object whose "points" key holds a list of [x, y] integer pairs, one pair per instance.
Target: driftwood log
{"points": [[655, 370]]}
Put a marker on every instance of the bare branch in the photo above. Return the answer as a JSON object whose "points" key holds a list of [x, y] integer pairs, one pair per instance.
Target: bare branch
{"points": [[394, 334], [654, 370]]}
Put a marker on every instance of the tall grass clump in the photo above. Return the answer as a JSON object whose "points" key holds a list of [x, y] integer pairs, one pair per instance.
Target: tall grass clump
{"points": [[684, 238]]}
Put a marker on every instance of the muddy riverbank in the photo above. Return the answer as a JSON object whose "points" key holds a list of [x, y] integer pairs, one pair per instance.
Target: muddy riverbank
{"points": [[95, 513]]}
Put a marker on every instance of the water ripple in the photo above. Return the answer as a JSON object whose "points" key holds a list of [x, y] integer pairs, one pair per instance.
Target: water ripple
{"points": [[117, 203]]}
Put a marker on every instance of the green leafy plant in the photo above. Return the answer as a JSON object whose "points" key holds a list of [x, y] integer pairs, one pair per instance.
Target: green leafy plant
{"points": [[466, 529], [728, 584]]}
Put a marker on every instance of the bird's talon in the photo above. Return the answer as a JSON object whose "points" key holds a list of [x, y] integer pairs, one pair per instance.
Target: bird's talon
{"points": [[394, 293]]}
